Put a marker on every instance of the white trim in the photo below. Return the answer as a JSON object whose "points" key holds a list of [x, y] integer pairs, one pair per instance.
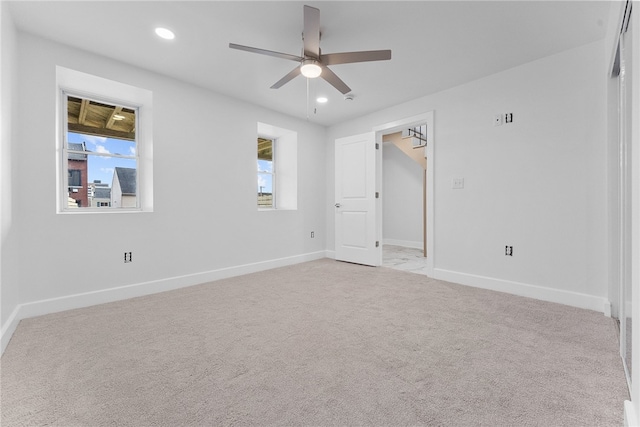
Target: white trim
{"points": [[9, 328], [403, 243], [634, 164], [574, 299], [630, 416], [607, 308], [406, 122], [69, 302]]}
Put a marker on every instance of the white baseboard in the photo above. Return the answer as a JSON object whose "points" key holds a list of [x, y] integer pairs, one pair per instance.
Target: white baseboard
{"points": [[607, 308], [404, 243], [69, 302], [630, 416], [53, 305], [574, 299], [9, 328]]}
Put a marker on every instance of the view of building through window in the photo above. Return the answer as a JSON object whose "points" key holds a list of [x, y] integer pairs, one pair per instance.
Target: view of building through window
{"points": [[102, 158], [266, 176]]}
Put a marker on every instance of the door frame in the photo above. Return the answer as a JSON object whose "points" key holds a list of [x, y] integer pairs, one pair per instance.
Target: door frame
{"points": [[397, 126]]}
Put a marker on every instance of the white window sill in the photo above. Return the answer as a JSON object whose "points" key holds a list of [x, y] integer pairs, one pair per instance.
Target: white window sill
{"points": [[108, 211]]}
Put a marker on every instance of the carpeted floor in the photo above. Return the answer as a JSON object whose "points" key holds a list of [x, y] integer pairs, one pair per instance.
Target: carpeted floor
{"points": [[319, 343]]}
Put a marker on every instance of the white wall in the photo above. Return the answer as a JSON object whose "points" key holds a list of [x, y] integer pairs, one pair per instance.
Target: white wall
{"points": [[538, 184], [205, 221], [401, 198], [9, 288]]}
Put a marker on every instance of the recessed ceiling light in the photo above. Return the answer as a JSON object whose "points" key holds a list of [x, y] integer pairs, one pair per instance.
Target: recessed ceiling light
{"points": [[118, 117], [322, 99], [165, 33]]}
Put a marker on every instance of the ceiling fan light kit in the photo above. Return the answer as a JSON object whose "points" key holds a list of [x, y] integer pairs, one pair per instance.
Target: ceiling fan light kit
{"points": [[310, 68], [314, 64]]}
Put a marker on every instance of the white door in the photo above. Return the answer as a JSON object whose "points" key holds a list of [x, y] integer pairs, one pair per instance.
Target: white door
{"points": [[356, 203]]}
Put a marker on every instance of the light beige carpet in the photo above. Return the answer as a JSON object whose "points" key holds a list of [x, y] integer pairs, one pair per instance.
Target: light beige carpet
{"points": [[320, 343]]}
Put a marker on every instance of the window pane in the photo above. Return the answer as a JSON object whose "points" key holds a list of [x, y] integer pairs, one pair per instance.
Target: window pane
{"points": [[265, 190], [265, 155], [104, 120], [101, 144], [265, 149], [102, 181], [265, 166]]}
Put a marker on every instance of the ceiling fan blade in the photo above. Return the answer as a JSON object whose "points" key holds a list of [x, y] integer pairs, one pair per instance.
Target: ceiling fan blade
{"points": [[349, 57], [266, 52], [311, 32], [334, 80], [286, 79]]}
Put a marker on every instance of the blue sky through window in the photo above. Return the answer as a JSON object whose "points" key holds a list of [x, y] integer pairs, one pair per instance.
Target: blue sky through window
{"points": [[265, 180], [102, 167]]}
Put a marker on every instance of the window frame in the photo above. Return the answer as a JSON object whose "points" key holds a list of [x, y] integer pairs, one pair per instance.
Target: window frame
{"points": [[272, 173], [285, 166], [66, 151], [75, 83]]}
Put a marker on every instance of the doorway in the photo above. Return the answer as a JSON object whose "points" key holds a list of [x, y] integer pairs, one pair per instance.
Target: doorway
{"points": [[358, 180], [404, 167], [408, 236]]}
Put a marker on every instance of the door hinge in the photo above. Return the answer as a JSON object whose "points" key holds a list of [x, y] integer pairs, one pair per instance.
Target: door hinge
{"points": [[377, 146], [377, 243], [377, 195]]}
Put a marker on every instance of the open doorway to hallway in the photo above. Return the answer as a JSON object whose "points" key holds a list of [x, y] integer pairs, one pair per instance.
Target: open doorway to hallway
{"points": [[404, 190], [422, 196]]}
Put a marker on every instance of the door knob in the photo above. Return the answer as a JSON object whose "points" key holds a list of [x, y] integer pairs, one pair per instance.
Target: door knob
{"points": [[338, 205]]}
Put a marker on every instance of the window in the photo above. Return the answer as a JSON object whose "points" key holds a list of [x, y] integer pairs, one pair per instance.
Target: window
{"points": [[266, 175], [277, 168], [104, 145], [101, 142], [75, 178]]}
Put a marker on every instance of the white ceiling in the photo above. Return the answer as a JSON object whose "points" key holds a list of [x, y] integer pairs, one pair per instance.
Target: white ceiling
{"points": [[436, 44]]}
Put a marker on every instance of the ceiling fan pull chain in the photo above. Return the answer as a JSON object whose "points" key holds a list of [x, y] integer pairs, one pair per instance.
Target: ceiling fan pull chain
{"points": [[307, 99]]}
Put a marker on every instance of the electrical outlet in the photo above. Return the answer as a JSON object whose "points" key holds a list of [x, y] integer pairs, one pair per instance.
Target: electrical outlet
{"points": [[127, 257], [313, 234], [508, 250], [508, 118], [457, 183]]}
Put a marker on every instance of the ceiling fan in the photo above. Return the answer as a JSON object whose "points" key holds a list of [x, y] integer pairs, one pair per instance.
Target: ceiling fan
{"points": [[312, 62]]}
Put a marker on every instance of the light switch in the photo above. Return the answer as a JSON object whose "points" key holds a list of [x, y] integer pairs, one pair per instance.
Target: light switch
{"points": [[457, 183]]}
